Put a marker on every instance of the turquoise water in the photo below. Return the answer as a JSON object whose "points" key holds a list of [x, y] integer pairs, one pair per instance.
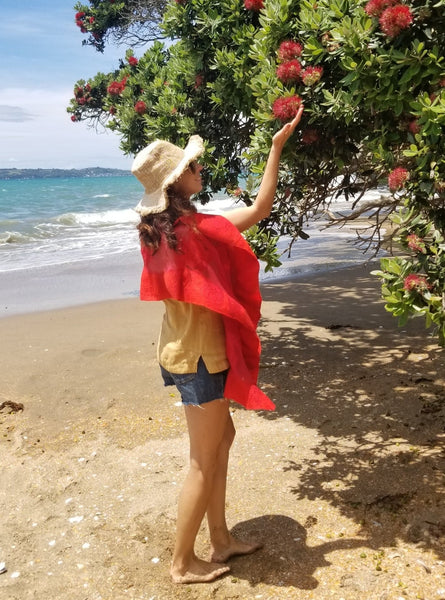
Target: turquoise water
{"points": [[54, 221]]}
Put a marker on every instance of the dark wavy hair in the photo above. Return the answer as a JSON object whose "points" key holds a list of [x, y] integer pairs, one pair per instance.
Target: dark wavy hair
{"points": [[154, 226]]}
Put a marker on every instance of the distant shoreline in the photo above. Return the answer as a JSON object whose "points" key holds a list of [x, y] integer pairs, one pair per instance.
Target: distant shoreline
{"points": [[13, 174]]}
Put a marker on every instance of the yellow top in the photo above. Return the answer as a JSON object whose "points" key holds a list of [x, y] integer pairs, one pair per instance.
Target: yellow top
{"points": [[189, 332]]}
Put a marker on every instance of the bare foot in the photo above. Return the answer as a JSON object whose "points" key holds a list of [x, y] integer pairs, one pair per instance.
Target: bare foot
{"points": [[234, 548], [199, 571]]}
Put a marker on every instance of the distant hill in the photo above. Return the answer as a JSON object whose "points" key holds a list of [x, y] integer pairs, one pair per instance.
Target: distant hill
{"points": [[61, 173]]}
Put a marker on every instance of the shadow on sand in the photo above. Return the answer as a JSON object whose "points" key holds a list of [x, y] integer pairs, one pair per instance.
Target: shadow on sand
{"points": [[376, 396]]}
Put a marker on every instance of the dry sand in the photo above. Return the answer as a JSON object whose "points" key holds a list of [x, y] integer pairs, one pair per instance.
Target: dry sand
{"points": [[344, 482]]}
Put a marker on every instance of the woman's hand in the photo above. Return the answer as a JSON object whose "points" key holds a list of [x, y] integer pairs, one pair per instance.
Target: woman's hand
{"points": [[281, 136]]}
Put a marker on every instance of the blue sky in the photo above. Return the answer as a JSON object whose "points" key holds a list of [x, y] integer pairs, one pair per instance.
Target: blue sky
{"points": [[41, 58]]}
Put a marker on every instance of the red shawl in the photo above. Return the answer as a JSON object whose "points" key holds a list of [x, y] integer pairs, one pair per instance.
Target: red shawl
{"points": [[215, 268]]}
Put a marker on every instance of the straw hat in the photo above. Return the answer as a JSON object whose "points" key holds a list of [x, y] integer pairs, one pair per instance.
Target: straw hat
{"points": [[158, 166]]}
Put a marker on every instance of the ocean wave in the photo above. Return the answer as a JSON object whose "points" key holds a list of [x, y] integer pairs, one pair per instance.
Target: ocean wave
{"points": [[15, 237], [107, 217]]}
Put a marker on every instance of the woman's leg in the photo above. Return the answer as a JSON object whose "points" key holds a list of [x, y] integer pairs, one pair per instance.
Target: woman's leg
{"points": [[223, 544], [207, 425]]}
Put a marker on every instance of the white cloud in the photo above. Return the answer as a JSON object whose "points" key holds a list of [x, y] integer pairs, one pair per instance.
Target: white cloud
{"points": [[51, 139], [14, 114]]}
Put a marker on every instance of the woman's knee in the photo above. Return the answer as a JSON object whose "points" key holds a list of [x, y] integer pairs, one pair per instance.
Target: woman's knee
{"points": [[204, 469]]}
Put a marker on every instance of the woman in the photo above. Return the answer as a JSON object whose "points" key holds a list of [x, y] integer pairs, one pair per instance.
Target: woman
{"points": [[207, 276]]}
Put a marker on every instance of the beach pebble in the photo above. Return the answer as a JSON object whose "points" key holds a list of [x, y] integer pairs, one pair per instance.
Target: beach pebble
{"points": [[75, 519], [3, 568]]}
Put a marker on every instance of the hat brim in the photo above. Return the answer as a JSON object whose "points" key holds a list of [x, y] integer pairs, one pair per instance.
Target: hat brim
{"points": [[157, 201]]}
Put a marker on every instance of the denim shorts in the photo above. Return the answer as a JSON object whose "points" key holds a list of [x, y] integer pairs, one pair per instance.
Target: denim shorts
{"points": [[197, 388]]}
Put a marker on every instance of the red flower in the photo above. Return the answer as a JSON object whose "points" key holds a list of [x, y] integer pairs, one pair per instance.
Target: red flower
{"points": [[395, 18], [74, 118], [286, 108], [415, 282], [374, 8], [414, 126], [256, 5], [140, 107], [79, 15], [117, 87], [289, 50], [91, 20], [310, 136], [311, 75], [132, 61], [112, 110], [289, 71], [397, 178], [415, 243], [199, 80]]}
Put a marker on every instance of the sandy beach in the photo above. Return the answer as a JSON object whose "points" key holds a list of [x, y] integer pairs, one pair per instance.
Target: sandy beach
{"points": [[343, 483]]}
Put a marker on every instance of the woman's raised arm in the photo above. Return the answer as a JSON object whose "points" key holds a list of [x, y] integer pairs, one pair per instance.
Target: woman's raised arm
{"points": [[246, 216]]}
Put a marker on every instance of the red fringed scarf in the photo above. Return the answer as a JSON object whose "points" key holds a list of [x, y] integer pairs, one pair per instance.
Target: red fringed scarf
{"points": [[215, 268]]}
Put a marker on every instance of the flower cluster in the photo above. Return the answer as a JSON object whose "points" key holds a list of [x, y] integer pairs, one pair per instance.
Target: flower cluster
{"points": [[199, 80], [415, 243], [374, 8], [289, 71], [397, 179], [289, 50], [132, 61], [414, 126], [309, 136], [255, 5], [416, 283], [82, 94], [311, 75], [140, 107], [117, 87], [81, 21], [286, 108], [393, 16]]}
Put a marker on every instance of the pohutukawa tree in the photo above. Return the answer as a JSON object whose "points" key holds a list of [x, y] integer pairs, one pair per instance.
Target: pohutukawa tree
{"points": [[371, 76]]}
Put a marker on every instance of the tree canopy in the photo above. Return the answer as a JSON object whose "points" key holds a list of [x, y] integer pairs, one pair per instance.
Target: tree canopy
{"points": [[371, 76]]}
